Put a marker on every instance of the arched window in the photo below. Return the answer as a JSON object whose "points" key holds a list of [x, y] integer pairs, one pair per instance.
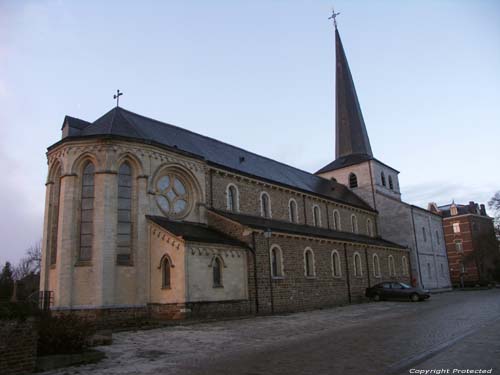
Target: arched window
{"points": [[54, 213], [353, 181], [217, 272], [336, 220], [382, 177], [309, 266], [404, 263], [391, 185], [165, 273], [354, 224], [437, 238], [376, 265], [392, 267], [358, 270], [369, 227], [276, 261], [232, 198], [87, 213], [265, 205], [124, 234], [316, 216], [336, 269], [424, 234], [292, 211]]}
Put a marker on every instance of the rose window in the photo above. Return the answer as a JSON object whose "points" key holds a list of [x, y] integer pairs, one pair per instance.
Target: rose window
{"points": [[172, 195]]}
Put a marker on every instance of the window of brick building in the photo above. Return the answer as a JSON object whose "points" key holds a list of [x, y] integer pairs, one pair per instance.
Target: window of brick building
{"points": [[316, 216], [309, 266], [458, 246], [276, 261], [376, 265], [358, 270], [336, 269], [265, 205], [293, 213], [456, 227], [353, 181], [336, 220], [232, 198]]}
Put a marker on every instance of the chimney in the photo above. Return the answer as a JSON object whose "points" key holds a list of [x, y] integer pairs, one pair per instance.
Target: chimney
{"points": [[483, 210], [472, 207]]}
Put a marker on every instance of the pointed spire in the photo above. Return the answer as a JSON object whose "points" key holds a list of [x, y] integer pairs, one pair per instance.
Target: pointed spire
{"points": [[351, 136]]}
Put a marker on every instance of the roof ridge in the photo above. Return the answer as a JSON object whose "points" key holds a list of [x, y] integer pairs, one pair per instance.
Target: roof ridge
{"points": [[225, 143]]}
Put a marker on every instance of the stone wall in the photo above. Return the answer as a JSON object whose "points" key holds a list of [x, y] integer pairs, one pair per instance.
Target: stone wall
{"points": [[18, 346], [249, 192]]}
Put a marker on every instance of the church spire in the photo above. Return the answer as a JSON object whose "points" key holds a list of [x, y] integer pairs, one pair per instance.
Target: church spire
{"points": [[351, 136]]}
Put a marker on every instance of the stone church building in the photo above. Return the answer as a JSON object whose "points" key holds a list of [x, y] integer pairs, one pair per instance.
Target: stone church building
{"points": [[144, 218]]}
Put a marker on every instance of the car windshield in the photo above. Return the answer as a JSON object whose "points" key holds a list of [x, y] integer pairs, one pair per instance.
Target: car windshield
{"points": [[406, 286]]}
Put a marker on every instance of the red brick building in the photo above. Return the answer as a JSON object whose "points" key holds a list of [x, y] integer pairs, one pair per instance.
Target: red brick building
{"points": [[470, 242]]}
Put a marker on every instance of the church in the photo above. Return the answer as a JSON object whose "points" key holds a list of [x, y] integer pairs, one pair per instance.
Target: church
{"points": [[147, 219]]}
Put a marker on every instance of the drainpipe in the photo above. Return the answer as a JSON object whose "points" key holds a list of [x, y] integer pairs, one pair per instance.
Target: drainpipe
{"points": [[254, 254], [348, 280], [367, 266], [267, 235]]}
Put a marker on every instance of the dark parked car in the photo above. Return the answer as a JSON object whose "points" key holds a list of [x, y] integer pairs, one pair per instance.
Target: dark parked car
{"points": [[396, 290]]}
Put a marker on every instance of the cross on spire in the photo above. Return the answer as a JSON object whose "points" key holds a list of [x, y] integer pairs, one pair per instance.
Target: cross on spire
{"points": [[334, 17], [117, 97]]}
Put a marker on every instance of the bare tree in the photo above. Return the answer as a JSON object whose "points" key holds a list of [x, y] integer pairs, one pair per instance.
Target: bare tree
{"points": [[494, 204], [30, 263]]}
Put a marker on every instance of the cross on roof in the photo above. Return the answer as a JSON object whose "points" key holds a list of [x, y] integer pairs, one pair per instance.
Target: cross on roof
{"points": [[334, 17], [117, 97]]}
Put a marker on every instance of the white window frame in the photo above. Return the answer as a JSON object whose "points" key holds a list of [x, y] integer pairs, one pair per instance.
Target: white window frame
{"points": [[280, 265], [404, 263], [376, 265], [354, 224], [357, 273], [262, 193], [336, 224], [456, 227], [392, 266], [237, 198], [314, 207], [296, 219], [337, 254], [306, 250]]}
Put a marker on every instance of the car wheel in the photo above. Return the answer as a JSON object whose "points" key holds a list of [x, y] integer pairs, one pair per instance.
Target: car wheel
{"points": [[414, 297], [376, 297]]}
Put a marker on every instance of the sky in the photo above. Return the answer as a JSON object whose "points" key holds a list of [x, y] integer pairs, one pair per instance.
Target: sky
{"points": [[259, 75]]}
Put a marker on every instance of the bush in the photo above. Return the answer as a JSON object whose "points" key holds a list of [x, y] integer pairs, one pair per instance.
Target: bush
{"points": [[64, 334], [16, 310]]}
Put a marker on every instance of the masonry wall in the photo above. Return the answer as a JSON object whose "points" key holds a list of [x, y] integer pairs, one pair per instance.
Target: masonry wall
{"points": [[432, 257], [249, 203], [18, 346]]}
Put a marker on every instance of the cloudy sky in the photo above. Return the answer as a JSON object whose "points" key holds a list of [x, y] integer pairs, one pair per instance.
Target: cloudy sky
{"points": [[259, 75]]}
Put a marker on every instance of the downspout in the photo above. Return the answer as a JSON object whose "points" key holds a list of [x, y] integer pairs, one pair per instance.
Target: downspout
{"points": [[416, 247], [348, 280], [254, 254], [367, 266]]}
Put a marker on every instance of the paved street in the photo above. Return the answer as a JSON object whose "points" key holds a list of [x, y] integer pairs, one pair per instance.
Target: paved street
{"points": [[452, 330]]}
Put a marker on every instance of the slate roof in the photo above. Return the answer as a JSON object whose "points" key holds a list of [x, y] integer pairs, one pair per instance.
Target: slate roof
{"points": [[194, 231], [352, 145], [257, 222], [462, 209], [125, 124]]}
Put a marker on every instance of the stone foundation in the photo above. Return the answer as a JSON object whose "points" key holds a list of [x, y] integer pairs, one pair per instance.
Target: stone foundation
{"points": [[18, 345]]}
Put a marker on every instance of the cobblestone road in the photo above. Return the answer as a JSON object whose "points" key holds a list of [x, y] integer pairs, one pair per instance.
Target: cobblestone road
{"points": [[451, 330]]}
